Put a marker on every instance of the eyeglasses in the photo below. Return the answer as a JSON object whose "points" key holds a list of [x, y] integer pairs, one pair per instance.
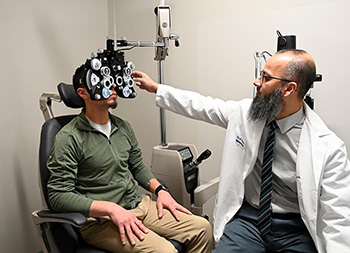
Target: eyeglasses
{"points": [[267, 78]]}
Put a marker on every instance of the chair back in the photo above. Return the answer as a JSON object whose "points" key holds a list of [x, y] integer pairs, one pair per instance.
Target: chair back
{"points": [[48, 132]]}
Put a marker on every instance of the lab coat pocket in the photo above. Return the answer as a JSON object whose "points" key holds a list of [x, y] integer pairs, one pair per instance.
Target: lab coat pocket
{"points": [[307, 197]]}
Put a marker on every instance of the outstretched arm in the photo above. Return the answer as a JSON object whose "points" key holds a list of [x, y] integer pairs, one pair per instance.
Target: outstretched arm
{"points": [[144, 81], [188, 103]]}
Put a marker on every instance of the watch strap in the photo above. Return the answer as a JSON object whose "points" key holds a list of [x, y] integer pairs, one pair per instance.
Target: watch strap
{"points": [[159, 188]]}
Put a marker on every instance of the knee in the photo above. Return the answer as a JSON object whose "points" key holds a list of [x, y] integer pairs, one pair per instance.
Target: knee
{"points": [[168, 248], [160, 245], [204, 228], [204, 223], [201, 236]]}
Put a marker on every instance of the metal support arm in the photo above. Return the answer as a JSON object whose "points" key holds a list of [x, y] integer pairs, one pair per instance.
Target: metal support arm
{"points": [[45, 103]]}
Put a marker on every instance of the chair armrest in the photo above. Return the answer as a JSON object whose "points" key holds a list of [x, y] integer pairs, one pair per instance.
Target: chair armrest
{"points": [[76, 219], [203, 192]]}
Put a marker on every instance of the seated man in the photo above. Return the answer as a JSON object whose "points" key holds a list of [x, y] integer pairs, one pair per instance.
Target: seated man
{"points": [[96, 167]]}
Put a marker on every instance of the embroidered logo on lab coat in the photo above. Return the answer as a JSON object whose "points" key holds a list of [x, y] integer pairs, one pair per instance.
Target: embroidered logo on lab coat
{"points": [[239, 141]]}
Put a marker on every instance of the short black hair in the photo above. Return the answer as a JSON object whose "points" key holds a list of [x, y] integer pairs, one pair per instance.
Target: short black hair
{"points": [[301, 71], [79, 77]]}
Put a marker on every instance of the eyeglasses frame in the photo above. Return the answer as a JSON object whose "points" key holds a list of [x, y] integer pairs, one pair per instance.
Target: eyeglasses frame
{"points": [[263, 76]]}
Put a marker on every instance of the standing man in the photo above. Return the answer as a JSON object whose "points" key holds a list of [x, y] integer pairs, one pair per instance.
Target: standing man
{"points": [[96, 167], [285, 177]]}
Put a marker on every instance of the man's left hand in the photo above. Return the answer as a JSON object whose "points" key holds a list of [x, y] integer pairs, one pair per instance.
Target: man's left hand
{"points": [[165, 200]]}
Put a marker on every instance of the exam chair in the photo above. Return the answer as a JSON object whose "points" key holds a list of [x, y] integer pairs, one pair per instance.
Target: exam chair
{"points": [[59, 232]]}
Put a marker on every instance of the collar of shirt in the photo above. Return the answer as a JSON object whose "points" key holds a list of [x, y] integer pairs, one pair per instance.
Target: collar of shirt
{"points": [[105, 129], [287, 123]]}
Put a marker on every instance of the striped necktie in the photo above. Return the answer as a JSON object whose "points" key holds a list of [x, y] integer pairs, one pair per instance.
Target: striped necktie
{"points": [[264, 216]]}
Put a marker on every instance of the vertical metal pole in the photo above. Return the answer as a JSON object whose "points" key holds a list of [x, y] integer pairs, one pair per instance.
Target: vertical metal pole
{"points": [[162, 112], [115, 23]]}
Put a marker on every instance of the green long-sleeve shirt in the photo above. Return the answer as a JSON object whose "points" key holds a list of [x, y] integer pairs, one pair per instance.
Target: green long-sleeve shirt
{"points": [[85, 165]]}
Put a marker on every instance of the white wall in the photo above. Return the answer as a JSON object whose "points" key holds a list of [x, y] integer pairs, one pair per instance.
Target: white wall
{"points": [[42, 42], [215, 58]]}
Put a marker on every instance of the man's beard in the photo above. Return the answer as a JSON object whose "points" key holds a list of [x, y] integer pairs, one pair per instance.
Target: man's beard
{"points": [[114, 104], [264, 107]]}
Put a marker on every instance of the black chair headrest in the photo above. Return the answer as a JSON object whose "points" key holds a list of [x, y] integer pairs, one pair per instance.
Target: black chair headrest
{"points": [[69, 97]]}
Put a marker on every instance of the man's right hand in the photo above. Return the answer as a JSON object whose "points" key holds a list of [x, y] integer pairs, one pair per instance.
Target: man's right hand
{"points": [[144, 81], [127, 223]]}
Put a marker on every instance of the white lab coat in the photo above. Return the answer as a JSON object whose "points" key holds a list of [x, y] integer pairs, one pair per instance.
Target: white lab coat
{"points": [[322, 166]]}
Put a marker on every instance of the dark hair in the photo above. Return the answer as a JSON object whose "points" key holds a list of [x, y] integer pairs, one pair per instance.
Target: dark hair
{"points": [[79, 77], [300, 70]]}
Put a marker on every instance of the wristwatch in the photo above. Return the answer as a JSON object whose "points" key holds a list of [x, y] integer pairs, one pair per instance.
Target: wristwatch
{"points": [[159, 188]]}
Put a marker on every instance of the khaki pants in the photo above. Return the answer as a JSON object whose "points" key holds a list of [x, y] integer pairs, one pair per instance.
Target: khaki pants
{"points": [[194, 231]]}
